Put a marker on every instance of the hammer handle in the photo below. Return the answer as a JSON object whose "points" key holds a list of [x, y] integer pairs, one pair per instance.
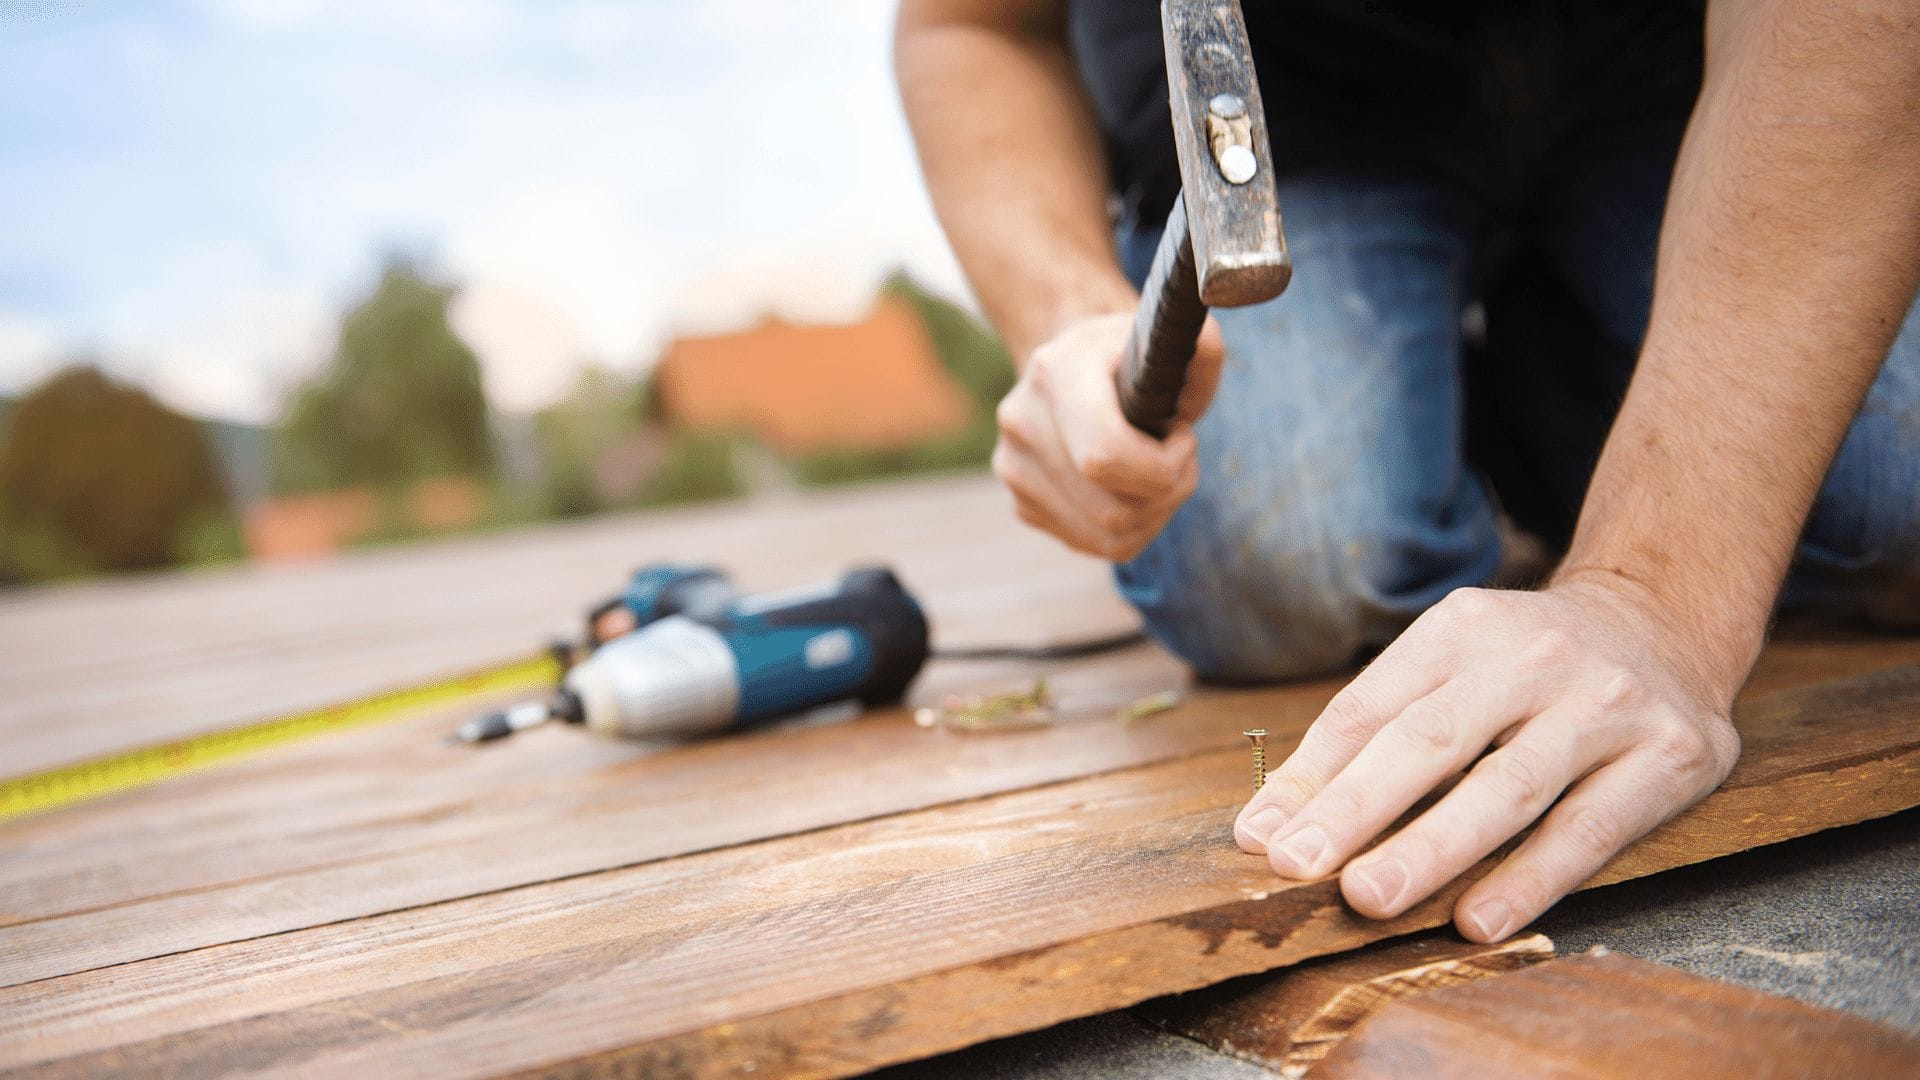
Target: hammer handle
{"points": [[1153, 370]]}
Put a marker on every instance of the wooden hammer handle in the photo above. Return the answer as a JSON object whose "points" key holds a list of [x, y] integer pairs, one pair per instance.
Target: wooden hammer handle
{"points": [[1153, 370]]}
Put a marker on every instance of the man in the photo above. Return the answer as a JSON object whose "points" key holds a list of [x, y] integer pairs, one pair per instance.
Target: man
{"points": [[1688, 435]]}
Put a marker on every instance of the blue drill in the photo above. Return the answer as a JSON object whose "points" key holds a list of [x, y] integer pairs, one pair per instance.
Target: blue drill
{"points": [[700, 658]]}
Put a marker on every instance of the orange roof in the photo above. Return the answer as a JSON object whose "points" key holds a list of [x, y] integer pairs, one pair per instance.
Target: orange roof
{"points": [[869, 385]]}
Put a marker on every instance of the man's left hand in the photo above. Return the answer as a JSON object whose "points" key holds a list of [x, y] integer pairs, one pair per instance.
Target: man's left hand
{"points": [[1580, 689]]}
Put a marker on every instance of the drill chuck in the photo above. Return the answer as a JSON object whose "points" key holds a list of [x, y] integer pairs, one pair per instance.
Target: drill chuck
{"points": [[674, 677]]}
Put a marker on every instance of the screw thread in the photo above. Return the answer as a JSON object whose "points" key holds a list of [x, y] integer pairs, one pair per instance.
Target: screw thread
{"points": [[1259, 768]]}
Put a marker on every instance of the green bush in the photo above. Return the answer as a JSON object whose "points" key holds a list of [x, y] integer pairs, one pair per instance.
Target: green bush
{"points": [[99, 477], [965, 451], [699, 466]]}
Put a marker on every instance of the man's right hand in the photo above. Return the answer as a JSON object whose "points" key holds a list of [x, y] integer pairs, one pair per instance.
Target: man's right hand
{"points": [[1076, 468]]}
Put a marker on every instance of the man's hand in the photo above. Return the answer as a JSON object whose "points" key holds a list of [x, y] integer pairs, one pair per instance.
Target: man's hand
{"points": [[1076, 468], [1579, 690]]}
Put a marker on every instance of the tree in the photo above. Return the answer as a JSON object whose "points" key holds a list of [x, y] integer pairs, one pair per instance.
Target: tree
{"points": [[96, 476], [401, 402], [572, 434]]}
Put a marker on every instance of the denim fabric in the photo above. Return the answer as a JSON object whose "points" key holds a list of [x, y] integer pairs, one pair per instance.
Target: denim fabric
{"points": [[1345, 472]]}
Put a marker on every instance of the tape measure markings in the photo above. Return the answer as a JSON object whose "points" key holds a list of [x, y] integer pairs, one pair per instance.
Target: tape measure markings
{"points": [[148, 764]]}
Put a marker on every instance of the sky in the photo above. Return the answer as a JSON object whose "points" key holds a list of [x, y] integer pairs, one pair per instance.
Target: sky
{"points": [[193, 192]]}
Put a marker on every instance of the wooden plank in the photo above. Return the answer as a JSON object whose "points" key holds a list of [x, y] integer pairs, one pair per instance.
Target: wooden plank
{"points": [[1607, 1015], [387, 793], [1288, 1020], [400, 789], [844, 949], [628, 812]]}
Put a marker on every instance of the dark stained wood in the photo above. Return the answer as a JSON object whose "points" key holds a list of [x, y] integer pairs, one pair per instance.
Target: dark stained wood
{"points": [[1287, 1020], [1608, 1015], [1239, 248], [843, 949]]}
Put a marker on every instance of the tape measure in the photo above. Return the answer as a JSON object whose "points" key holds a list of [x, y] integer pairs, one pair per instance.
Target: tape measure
{"points": [[148, 764]]}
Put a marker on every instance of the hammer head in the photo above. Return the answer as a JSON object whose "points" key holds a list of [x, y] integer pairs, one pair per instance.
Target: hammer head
{"points": [[1226, 166]]}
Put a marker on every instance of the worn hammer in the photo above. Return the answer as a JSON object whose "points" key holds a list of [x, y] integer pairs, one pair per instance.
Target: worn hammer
{"points": [[1222, 246]]}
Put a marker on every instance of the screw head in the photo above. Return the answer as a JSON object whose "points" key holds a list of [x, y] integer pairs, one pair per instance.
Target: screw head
{"points": [[1227, 106], [1255, 733], [1238, 164]]}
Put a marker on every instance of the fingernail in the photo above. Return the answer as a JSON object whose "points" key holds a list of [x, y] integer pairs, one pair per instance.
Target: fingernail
{"points": [[1262, 824], [1380, 882], [1302, 848], [1489, 919]]}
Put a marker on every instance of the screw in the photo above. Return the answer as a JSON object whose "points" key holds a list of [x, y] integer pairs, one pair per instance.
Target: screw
{"points": [[1259, 737]]}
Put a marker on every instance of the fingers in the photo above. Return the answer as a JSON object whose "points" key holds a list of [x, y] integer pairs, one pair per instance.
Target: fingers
{"points": [[1079, 471], [1203, 374], [1431, 739], [1410, 669], [1502, 795], [1078, 519], [1114, 455], [1604, 813]]}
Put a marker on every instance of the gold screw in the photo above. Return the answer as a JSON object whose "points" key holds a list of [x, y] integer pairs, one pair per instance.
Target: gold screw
{"points": [[1259, 737]]}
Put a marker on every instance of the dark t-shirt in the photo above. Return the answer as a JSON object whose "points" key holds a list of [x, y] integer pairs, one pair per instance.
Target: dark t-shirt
{"points": [[1436, 89]]}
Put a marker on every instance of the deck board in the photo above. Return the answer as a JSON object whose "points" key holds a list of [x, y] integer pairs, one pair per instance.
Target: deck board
{"points": [[991, 916], [379, 902]]}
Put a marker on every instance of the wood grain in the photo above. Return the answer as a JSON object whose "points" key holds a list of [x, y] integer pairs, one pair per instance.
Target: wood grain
{"points": [[1288, 1020], [296, 821], [825, 898], [632, 812], [1607, 1015], [843, 949]]}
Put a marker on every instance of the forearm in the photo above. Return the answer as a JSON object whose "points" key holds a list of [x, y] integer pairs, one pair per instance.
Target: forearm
{"points": [[1013, 162], [1789, 255]]}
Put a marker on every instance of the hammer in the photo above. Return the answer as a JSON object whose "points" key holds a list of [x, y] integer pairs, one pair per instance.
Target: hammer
{"points": [[1222, 246]]}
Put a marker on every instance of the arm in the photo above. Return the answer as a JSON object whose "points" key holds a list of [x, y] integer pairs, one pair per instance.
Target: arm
{"points": [[1013, 162], [1765, 267], [1775, 302]]}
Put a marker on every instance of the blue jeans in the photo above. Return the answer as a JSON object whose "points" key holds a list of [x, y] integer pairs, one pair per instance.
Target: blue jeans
{"points": [[1349, 465]]}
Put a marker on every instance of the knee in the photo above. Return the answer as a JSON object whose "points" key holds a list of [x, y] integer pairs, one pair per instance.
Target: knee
{"points": [[1860, 552], [1869, 572], [1287, 594]]}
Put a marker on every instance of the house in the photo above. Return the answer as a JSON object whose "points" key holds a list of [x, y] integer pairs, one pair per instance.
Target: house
{"points": [[871, 385]]}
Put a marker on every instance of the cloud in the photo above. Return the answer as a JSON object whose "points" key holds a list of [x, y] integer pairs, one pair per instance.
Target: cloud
{"points": [[595, 175], [237, 358], [529, 349], [457, 25], [29, 351]]}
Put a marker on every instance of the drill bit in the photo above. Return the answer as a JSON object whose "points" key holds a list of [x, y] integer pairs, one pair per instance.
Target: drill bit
{"points": [[499, 725]]}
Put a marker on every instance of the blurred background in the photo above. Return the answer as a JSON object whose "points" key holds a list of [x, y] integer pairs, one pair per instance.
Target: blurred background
{"points": [[281, 278]]}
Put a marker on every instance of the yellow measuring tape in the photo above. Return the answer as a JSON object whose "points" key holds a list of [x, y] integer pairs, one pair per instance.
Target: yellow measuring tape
{"points": [[145, 765]]}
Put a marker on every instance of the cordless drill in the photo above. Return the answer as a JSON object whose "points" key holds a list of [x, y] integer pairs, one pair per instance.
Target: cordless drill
{"points": [[682, 653]]}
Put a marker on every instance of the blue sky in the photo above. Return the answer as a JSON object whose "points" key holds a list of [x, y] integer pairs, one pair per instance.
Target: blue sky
{"points": [[194, 191]]}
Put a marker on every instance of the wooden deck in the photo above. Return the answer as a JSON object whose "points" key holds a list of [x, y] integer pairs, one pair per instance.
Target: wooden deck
{"points": [[808, 899]]}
